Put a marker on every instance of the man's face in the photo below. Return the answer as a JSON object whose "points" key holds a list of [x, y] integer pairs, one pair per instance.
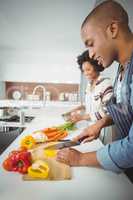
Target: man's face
{"points": [[99, 44]]}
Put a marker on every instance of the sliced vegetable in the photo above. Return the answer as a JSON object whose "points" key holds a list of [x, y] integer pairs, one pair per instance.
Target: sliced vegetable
{"points": [[58, 135], [39, 169], [28, 142], [63, 134], [50, 129], [68, 126], [50, 153], [52, 134], [39, 136]]}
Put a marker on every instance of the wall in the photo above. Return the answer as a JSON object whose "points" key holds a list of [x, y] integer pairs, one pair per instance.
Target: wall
{"points": [[40, 39], [2, 90], [55, 89]]}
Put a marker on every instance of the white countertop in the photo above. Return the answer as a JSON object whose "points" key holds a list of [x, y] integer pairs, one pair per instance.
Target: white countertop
{"points": [[87, 182], [35, 103]]}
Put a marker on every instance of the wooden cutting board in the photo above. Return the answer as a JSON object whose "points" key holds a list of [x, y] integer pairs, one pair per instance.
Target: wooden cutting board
{"points": [[58, 171]]}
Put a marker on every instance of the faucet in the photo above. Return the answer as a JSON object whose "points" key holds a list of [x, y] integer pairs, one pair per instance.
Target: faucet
{"points": [[43, 89]]}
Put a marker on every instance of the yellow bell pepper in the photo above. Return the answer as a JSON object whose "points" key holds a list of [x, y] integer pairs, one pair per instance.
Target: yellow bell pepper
{"points": [[39, 169], [28, 142], [50, 152]]}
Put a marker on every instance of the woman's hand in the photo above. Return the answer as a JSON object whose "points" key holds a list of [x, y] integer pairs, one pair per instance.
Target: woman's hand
{"points": [[75, 117], [69, 156], [89, 134]]}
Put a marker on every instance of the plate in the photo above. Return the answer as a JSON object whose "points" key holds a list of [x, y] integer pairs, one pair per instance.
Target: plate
{"points": [[16, 95]]}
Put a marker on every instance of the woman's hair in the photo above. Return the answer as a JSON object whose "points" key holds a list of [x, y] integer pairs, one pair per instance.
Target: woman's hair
{"points": [[84, 57]]}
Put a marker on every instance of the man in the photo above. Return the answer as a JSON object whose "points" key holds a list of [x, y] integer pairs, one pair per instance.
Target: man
{"points": [[107, 36]]}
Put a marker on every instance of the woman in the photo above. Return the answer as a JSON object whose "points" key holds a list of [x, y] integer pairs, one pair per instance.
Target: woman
{"points": [[98, 92]]}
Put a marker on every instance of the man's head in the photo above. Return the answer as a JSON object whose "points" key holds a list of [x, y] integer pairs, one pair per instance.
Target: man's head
{"points": [[102, 31]]}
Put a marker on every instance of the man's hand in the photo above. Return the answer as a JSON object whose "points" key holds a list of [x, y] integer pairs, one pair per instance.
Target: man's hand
{"points": [[93, 131], [73, 157], [69, 156], [89, 134]]}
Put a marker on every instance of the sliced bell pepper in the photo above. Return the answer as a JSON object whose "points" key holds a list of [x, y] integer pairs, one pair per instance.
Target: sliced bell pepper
{"points": [[50, 152], [28, 142], [39, 169]]}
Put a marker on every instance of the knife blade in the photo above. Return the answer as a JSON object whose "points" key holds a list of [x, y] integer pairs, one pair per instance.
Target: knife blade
{"points": [[63, 144]]}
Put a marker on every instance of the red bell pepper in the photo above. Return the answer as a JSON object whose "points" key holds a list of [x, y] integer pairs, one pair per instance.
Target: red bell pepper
{"points": [[18, 161]]}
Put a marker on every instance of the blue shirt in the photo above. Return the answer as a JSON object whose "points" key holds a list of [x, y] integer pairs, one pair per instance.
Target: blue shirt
{"points": [[118, 156]]}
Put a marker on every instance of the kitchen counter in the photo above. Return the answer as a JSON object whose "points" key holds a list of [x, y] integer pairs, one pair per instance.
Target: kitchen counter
{"points": [[35, 103], [87, 182], [32, 108]]}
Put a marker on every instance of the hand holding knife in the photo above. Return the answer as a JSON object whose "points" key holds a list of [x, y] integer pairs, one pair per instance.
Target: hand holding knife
{"points": [[65, 144]]}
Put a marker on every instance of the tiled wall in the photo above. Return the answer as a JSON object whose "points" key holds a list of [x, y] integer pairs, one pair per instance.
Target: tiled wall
{"points": [[27, 88]]}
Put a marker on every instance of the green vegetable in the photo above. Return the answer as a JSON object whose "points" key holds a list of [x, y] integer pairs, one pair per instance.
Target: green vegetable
{"points": [[68, 126]]}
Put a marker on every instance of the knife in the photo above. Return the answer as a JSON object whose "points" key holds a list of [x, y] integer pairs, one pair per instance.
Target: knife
{"points": [[63, 144]]}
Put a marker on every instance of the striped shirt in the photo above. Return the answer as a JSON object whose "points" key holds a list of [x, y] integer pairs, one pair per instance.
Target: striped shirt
{"points": [[97, 98]]}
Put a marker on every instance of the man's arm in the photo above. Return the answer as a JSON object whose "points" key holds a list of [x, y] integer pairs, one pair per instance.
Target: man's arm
{"points": [[93, 131], [89, 159], [73, 157], [118, 155], [105, 121]]}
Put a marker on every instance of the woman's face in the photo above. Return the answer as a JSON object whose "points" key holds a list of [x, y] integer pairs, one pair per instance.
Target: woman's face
{"points": [[89, 71]]}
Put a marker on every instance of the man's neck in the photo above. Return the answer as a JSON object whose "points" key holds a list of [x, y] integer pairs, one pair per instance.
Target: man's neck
{"points": [[126, 50]]}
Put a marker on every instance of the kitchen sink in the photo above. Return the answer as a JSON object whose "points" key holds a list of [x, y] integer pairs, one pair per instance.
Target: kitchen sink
{"points": [[16, 118], [8, 135]]}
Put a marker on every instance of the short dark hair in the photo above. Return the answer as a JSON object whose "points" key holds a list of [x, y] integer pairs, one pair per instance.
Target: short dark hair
{"points": [[108, 10], [84, 57]]}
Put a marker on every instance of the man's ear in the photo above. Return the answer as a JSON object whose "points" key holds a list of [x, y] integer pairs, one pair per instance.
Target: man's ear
{"points": [[113, 29]]}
